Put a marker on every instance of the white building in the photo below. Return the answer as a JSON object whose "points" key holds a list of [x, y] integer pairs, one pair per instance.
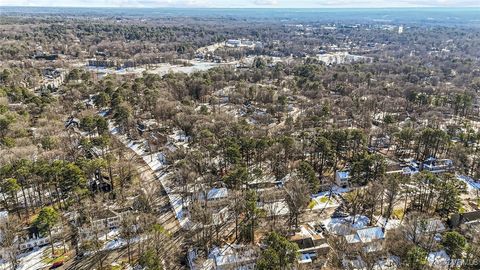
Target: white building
{"points": [[342, 178], [242, 43], [341, 58], [103, 221], [34, 242]]}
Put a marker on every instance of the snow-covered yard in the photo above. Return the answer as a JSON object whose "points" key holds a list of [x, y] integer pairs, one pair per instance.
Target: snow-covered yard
{"points": [[322, 202], [31, 260]]}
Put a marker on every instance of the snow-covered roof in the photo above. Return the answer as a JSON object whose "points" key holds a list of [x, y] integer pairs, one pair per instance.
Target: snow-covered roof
{"points": [[344, 226], [390, 263], [233, 254], [391, 224], [343, 174], [366, 235], [431, 226], [305, 258], [217, 193], [472, 185], [441, 260], [279, 208], [3, 214], [410, 170], [370, 234]]}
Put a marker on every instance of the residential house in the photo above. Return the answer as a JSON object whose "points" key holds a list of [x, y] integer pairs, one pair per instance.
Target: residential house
{"points": [[51, 73], [215, 194], [313, 246], [228, 257], [242, 43], [342, 57], [370, 238], [342, 178], [102, 63], [31, 238], [345, 225], [274, 208], [428, 228], [107, 219], [381, 141], [411, 167], [103, 221], [469, 223], [431, 226], [233, 43], [45, 56], [462, 218], [435, 165], [27, 243]]}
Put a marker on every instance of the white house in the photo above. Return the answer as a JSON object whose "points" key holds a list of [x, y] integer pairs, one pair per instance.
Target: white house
{"points": [[34, 242], [103, 221], [342, 178], [434, 165], [214, 194]]}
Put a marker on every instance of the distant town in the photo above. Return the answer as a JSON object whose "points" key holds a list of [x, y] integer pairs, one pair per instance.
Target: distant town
{"points": [[211, 142]]}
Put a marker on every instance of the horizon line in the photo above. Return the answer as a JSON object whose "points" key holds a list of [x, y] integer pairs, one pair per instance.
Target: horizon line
{"points": [[249, 7]]}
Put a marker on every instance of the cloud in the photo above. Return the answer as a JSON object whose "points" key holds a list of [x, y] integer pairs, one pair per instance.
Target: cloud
{"points": [[266, 2]]}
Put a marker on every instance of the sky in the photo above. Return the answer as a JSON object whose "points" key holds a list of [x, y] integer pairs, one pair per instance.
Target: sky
{"points": [[244, 3]]}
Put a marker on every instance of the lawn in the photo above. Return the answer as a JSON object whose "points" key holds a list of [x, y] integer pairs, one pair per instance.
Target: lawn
{"points": [[59, 256]]}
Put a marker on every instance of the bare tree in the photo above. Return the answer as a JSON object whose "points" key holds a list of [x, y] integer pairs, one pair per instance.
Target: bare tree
{"points": [[298, 197], [9, 243]]}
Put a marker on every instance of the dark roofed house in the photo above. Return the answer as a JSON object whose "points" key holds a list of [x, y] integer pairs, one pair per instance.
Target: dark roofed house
{"points": [[468, 223], [141, 127], [44, 56], [51, 73], [459, 219], [72, 122]]}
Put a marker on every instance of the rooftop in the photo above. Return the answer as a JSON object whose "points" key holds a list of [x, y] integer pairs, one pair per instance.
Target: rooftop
{"points": [[217, 193], [343, 174], [344, 226], [366, 235], [431, 226]]}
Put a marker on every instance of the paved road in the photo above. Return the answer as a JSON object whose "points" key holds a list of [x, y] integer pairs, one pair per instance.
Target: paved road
{"points": [[165, 217]]}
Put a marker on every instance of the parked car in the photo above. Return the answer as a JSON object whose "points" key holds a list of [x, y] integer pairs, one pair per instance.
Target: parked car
{"points": [[56, 265]]}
